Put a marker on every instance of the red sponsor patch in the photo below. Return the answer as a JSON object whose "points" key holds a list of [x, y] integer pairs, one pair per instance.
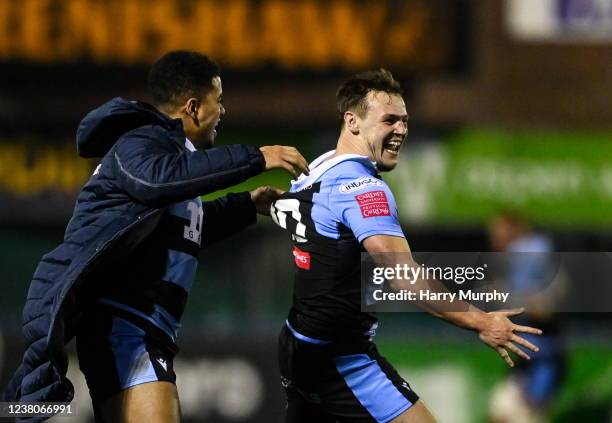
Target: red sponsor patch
{"points": [[373, 204], [302, 258]]}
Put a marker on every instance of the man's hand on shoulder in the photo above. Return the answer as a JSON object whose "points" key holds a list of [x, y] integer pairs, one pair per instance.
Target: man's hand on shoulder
{"points": [[263, 197], [497, 331], [284, 157]]}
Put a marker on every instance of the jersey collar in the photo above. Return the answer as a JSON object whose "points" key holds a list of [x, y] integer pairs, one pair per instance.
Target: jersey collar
{"points": [[323, 163]]}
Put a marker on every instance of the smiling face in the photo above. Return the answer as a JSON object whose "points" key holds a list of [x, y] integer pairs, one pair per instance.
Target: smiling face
{"points": [[208, 111], [384, 128]]}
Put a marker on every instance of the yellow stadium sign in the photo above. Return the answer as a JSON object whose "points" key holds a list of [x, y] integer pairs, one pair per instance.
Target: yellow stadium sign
{"points": [[239, 33], [25, 170]]}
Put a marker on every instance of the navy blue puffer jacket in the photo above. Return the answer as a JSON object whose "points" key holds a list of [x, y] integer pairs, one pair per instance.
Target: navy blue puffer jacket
{"points": [[145, 167]]}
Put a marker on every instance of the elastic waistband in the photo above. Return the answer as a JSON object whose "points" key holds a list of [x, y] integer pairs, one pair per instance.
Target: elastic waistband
{"points": [[306, 338]]}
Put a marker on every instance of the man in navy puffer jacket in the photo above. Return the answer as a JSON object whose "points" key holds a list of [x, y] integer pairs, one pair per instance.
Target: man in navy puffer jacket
{"points": [[120, 279]]}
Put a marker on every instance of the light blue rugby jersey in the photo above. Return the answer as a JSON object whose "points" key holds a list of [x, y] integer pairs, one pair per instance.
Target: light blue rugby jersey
{"points": [[329, 213], [352, 194]]}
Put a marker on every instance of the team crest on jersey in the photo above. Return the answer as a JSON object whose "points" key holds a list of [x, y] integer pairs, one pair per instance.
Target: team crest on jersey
{"points": [[359, 184]]}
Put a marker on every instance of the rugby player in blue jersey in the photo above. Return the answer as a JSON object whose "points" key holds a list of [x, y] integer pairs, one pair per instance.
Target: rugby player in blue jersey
{"points": [[330, 368]]}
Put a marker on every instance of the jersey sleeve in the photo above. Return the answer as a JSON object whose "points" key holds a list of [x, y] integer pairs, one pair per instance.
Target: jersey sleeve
{"points": [[366, 206]]}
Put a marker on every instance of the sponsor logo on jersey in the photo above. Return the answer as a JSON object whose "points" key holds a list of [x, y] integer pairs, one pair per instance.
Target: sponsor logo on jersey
{"points": [[359, 183], [302, 258], [373, 204]]}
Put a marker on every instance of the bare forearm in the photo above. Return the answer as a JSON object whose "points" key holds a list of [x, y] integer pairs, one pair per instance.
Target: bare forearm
{"points": [[495, 328], [471, 320], [458, 312]]}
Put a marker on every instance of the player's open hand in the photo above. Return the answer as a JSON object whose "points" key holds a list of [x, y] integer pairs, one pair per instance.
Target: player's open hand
{"points": [[284, 157], [498, 332], [263, 197]]}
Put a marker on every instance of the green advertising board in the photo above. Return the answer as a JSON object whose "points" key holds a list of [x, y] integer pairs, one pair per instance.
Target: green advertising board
{"points": [[555, 179]]}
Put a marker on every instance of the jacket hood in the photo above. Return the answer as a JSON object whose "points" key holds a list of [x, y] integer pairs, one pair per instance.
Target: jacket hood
{"points": [[101, 127]]}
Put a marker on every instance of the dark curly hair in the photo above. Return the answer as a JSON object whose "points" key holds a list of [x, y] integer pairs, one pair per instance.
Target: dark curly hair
{"points": [[179, 75], [352, 93]]}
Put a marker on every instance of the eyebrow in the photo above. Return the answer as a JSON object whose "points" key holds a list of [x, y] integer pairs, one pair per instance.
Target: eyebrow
{"points": [[390, 116]]}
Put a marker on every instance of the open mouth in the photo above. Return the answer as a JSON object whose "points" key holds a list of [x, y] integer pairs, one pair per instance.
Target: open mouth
{"points": [[392, 146]]}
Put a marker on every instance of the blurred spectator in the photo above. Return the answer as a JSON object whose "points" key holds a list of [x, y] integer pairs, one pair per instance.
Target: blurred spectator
{"points": [[526, 394]]}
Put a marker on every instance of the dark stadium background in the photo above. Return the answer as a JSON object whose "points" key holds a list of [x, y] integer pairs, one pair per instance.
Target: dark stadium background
{"points": [[508, 109]]}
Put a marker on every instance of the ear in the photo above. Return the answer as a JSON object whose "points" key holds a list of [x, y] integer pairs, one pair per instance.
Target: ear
{"points": [[192, 105], [351, 123]]}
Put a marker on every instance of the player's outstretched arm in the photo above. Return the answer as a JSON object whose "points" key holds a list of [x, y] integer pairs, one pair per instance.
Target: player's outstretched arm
{"points": [[263, 197], [226, 216], [232, 213], [495, 328], [284, 157], [154, 173]]}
